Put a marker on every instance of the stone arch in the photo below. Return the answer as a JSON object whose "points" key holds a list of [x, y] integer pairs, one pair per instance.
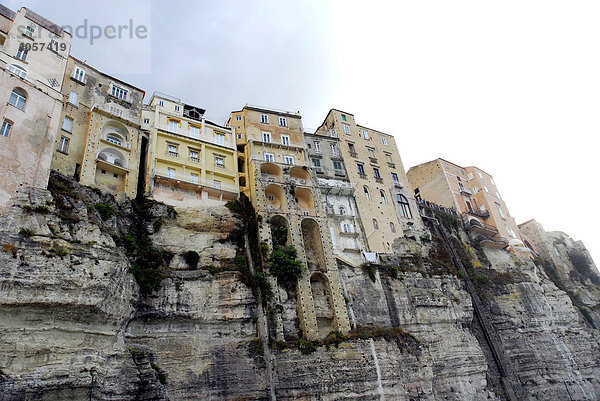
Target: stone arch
{"points": [[270, 170], [323, 304], [313, 245], [115, 132], [113, 156], [276, 201], [300, 173], [304, 199], [280, 231]]}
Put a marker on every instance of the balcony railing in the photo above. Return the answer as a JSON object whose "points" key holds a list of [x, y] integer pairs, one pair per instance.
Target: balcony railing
{"points": [[307, 212], [194, 159], [353, 154], [373, 159], [466, 191], [274, 209], [194, 179], [479, 213], [271, 178], [172, 154]]}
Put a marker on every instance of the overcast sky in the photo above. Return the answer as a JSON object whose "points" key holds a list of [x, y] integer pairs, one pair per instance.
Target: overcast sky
{"points": [[512, 87]]}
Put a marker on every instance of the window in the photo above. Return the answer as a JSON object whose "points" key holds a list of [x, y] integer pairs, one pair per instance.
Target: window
{"points": [[376, 173], [285, 140], [161, 103], [119, 92], [342, 210], [404, 206], [22, 52], [392, 227], [194, 156], [486, 188], [264, 118], [375, 224], [317, 147], [492, 180], [475, 189], [384, 141], [114, 139], [347, 129], [361, 169], [17, 70], [219, 139], [74, 98], [316, 162], [511, 232], [480, 175], [54, 45], [395, 179], [470, 176], [333, 148], [288, 159], [343, 117], [371, 152], [266, 137], [238, 118], [195, 131], [283, 121], [18, 98], [174, 126], [499, 207], [63, 145], [6, 126], [68, 124], [219, 162], [269, 157], [194, 178], [217, 184], [333, 133], [170, 172], [338, 166], [239, 136], [383, 198], [346, 228], [176, 107], [29, 31], [79, 75], [497, 194], [388, 158], [351, 148], [172, 150], [367, 194], [271, 197], [116, 111], [365, 134]]}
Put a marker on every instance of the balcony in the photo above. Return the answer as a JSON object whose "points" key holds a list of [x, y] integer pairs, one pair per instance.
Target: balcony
{"points": [[271, 178], [391, 165], [194, 159], [466, 191], [492, 242], [474, 225], [362, 176], [353, 154], [319, 170], [398, 185], [172, 154], [168, 176], [373, 160], [379, 180], [340, 173], [479, 213]]}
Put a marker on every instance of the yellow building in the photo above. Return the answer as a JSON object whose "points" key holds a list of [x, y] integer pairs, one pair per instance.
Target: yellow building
{"points": [[275, 175], [192, 160], [473, 194], [99, 141], [30, 89], [384, 198]]}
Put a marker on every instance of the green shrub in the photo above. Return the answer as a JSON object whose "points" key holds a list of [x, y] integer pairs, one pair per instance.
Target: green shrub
{"points": [[41, 209], [306, 346], [106, 211], [162, 378], [283, 264], [157, 225], [26, 232], [263, 247], [212, 269], [371, 272], [191, 258]]}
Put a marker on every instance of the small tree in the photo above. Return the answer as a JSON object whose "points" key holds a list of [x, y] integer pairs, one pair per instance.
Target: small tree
{"points": [[283, 264]]}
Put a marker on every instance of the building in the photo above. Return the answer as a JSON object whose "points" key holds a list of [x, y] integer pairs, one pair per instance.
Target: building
{"points": [[385, 200], [30, 86], [473, 194], [337, 196], [285, 191], [193, 161], [99, 141]]}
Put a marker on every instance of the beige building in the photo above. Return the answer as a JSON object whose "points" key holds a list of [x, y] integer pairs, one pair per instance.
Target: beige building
{"points": [[284, 190], [30, 84], [99, 141], [193, 161], [473, 194], [383, 196]]}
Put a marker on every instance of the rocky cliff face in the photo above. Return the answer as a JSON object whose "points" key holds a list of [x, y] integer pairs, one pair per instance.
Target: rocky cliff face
{"points": [[74, 325]]}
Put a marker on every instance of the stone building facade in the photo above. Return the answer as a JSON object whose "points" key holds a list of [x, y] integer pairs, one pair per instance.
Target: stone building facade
{"points": [[193, 161], [30, 86], [99, 141], [337, 195], [285, 191], [384, 198]]}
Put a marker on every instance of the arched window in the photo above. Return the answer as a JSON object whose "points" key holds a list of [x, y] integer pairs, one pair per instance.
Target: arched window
{"points": [[342, 210], [112, 138], [404, 206], [383, 198], [367, 194], [375, 225], [18, 98], [392, 227], [17, 70]]}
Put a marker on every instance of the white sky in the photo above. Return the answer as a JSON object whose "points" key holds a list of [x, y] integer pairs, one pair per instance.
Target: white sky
{"points": [[512, 87]]}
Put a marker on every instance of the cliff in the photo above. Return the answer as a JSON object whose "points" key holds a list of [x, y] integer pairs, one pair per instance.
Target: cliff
{"points": [[136, 301]]}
